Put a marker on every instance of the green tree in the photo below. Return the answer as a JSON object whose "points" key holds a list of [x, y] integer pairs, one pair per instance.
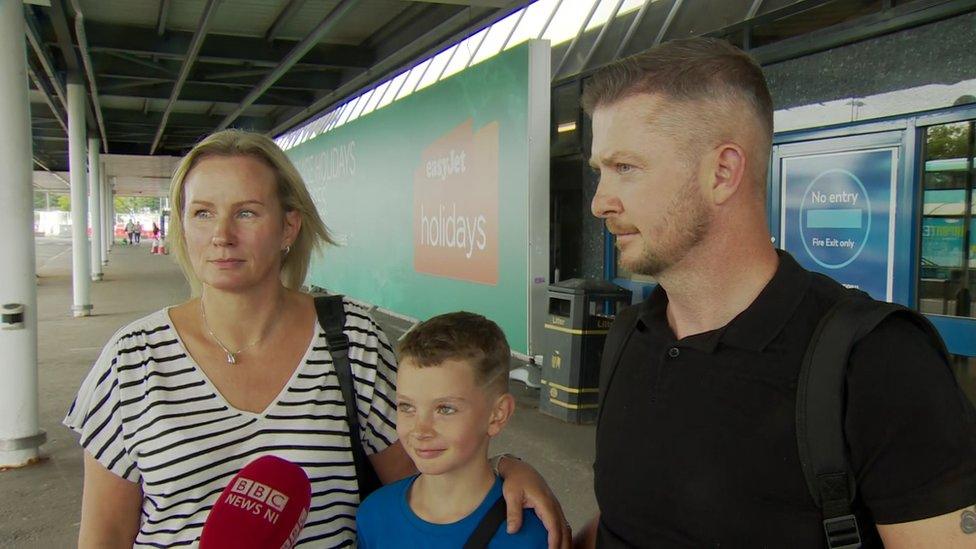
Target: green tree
{"points": [[947, 141], [64, 203], [135, 204]]}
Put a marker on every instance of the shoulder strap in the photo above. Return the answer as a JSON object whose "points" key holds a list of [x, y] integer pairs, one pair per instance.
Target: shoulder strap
{"points": [[615, 343], [820, 404], [332, 317], [489, 524]]}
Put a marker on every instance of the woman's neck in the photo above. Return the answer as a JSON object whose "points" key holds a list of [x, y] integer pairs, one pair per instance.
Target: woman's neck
{"points": [[449, 497], [240, 318]]}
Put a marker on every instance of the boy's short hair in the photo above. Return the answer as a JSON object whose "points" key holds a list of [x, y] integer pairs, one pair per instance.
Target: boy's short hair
{"points": [[460, 336]]}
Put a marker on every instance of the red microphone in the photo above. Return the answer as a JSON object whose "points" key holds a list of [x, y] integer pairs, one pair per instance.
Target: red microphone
{"points": [[263, 507]]}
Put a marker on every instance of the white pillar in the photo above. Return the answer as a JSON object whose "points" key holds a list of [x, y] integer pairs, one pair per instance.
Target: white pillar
{"points": [[111, 206], [80, 251], [106, 235], [95, 208], [20, 434]]}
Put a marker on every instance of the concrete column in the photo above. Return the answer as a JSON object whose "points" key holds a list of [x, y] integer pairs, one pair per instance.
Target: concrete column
{"points": [[20, 435], [106, 217], [111, 206], [80, 251], [95, 208]]}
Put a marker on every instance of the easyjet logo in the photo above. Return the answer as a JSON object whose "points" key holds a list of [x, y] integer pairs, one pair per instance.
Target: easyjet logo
{"points": [[455, 205]]}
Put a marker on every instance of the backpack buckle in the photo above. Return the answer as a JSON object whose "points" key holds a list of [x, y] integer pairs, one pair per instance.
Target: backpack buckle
{"points": [[842, 532]]}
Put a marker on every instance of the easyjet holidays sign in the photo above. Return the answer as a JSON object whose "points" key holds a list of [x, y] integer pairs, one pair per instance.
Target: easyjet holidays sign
{"points": [[455, 204]]}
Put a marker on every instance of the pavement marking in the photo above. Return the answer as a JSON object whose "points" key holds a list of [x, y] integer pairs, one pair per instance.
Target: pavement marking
{"points": [[59, 254]]}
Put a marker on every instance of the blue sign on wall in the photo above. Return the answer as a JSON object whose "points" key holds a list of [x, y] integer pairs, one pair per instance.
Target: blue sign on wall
{"points": [[838, 216]]}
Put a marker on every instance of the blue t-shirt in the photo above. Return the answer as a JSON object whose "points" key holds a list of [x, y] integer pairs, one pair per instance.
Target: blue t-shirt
{"points": [[386, 520]]}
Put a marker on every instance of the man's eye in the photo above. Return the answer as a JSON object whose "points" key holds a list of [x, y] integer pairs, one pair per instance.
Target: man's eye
{"points": [[624, 168], [246, 213], [404, 408], [446, 410]]}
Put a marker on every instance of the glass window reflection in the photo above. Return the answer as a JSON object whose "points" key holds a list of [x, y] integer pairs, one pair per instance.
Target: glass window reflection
{"points": [[947, 263]]}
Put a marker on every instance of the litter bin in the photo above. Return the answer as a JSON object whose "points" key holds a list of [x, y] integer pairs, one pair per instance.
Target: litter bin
{"points": [[580, 313]]}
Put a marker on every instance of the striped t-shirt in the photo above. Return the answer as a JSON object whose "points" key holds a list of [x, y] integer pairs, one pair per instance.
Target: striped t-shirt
{"points": [[148, 413]]}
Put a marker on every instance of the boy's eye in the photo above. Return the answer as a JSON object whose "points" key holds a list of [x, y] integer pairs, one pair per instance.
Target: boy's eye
{"points": [[624, 168], [246, 213], [404, 408], [445, 410]]}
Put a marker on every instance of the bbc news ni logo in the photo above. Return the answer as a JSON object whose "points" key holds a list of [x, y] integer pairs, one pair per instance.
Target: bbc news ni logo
{"points": [[256, 498]]}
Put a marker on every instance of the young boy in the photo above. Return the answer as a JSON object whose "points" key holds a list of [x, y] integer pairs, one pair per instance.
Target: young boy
{"points": [[452, 397]]}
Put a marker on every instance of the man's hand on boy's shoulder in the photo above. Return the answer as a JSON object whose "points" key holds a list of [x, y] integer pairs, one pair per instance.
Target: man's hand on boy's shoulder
{"points": [[532, 533], [524, 488]]}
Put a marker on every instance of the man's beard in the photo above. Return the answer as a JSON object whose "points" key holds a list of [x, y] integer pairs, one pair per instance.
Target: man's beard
{"points": [[684, 226]]}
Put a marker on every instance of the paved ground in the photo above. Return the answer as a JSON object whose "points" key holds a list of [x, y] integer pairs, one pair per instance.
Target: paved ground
{"points": [[40, 505]]}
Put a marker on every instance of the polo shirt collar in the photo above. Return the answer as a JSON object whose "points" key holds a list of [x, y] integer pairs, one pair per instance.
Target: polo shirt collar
{"points": [[754, 328]]}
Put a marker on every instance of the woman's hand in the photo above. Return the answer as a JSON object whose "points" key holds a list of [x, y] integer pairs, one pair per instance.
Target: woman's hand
{"points": [[524, 487]]}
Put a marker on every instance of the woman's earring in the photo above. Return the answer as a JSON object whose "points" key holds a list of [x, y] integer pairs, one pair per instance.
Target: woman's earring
{"points": [[287, 249]]}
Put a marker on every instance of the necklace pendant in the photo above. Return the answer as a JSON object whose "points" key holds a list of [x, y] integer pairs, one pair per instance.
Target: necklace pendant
{"points": [[231, 359]]}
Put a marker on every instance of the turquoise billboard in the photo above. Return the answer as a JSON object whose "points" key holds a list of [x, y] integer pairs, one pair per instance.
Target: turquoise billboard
{"points": [[434, 199]]}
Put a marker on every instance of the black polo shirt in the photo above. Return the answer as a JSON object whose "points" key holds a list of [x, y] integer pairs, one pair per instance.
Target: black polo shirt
{"points": [[696, 445]]}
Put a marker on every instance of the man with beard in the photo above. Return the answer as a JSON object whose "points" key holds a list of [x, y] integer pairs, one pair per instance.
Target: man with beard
{"points": [[696, 441]]}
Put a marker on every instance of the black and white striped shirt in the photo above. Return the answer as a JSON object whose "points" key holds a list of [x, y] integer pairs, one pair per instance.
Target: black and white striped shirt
{"points": [[148, 413]]}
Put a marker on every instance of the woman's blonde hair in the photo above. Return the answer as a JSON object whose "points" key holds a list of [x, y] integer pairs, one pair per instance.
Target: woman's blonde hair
{"points": [[292, 194]]}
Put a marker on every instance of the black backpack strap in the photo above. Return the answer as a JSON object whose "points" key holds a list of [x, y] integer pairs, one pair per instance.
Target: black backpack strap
{"points": [[820, 405], [332, 317], [613, 348], [489, 524]]}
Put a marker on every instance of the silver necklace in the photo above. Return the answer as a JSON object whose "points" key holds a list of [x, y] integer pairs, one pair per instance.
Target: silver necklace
{"points": [[231, 356]]}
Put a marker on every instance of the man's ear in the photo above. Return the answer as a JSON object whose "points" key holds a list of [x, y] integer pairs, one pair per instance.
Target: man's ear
{"points": [[727, 169], [501, 412]]}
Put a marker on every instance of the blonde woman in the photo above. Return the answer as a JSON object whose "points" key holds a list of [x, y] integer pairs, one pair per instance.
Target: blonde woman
{"points": [[181, 400]]}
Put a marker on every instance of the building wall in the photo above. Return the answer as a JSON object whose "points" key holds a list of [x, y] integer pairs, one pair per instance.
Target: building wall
{"points": [[922, 68]]}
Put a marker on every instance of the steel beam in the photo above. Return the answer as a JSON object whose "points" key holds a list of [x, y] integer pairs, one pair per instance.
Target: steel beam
{"points": [[421, 47], [328, 23], [41, 86], [34, 37], [142, 62], [675, 8], [602, 35], [161, 17], [634, 25], [286, 13], [191, 56], [212, 93], [223, 49], [576, 39]]}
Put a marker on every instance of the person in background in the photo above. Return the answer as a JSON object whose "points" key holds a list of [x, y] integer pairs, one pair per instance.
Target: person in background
{"points": [[181, 400], [452, 398], [696, 443], [130, 231]]}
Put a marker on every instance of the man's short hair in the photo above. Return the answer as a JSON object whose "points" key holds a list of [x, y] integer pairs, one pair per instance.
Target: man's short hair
{"points": [[686, 70], [462, 336]]}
